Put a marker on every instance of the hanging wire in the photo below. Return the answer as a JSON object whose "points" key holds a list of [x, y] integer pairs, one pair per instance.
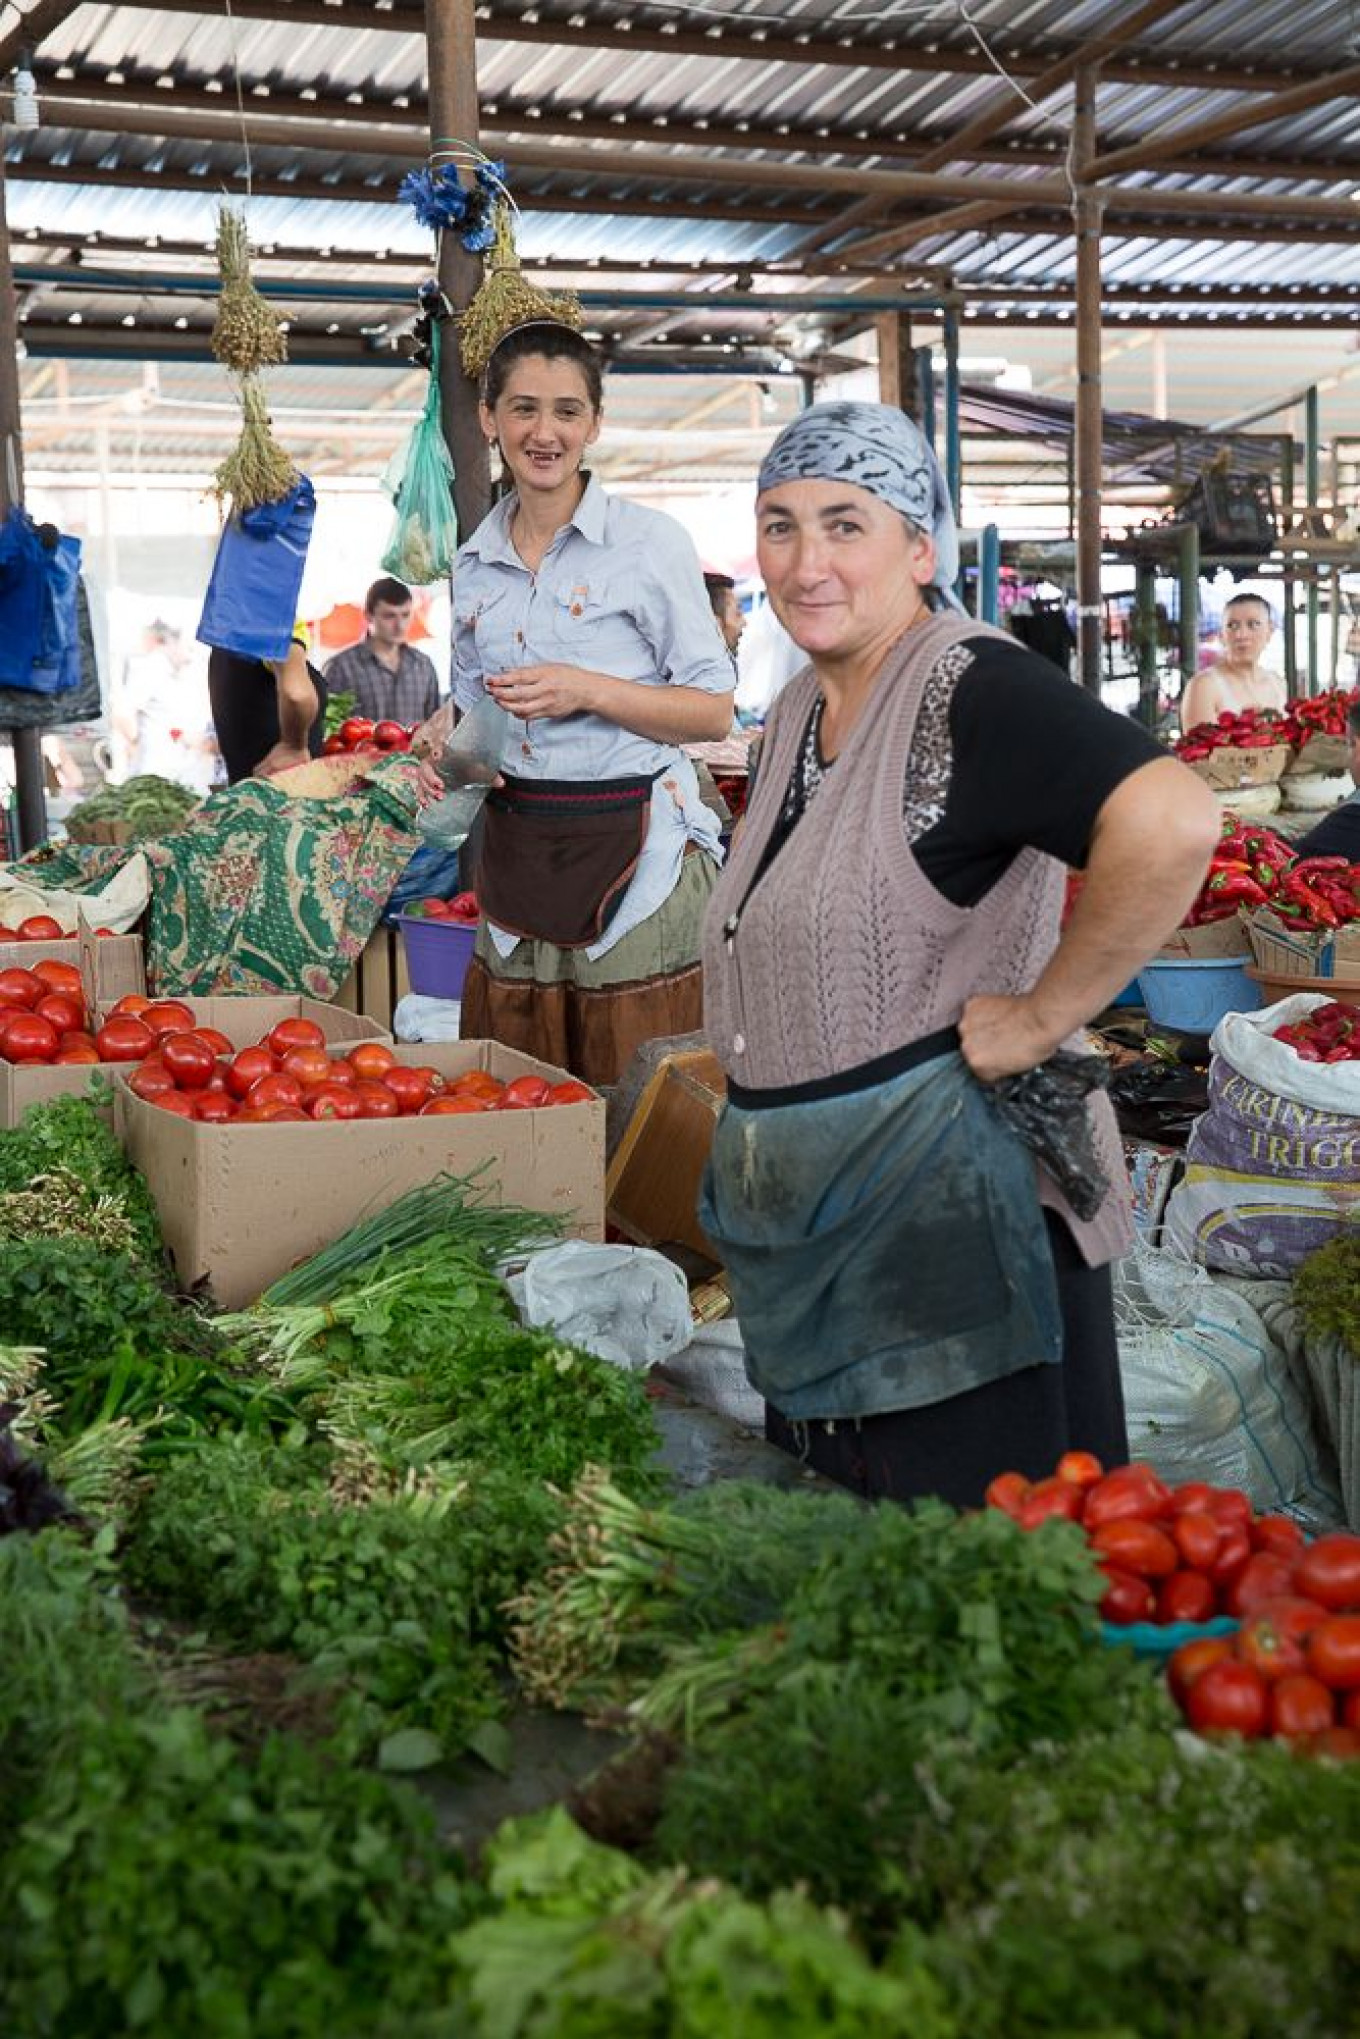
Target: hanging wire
{"points": [[240, 97]]}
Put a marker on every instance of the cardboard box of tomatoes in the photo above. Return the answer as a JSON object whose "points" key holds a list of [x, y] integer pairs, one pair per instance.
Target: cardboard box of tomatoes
{"points": [[245, 1195], [61, 985]]}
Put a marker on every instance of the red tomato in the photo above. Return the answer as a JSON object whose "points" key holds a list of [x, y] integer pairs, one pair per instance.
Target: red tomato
{"points": [[1277, 1533], [175, 1101], [1049, 1500], [1340, 1744], [124, 1039], [20, 988], [390, 736], [1263, 1577], [214, 1107], [1191, 1659], [370, 1060], [294, 1033], [1229, 1504], [1290, 1614], [524, 1094], [79, 1052], [310, 1066], [376, 1101], [30, 1038], [1329, 1571], [1300, 1705], [355, 729], [341, 1072], [150, 1083], [333, 746], [573, 1092], [1334, 1652], [434, 1082], [1126, 1598], [478, 1083], [62, 977], [1081, 1468], [334, 1101], [285, 1114], [1138, 1547], [190, 1061], [131, 1002], [215, 1039], [1197, 1537], [1130, 1493], [167, 1016], [1193, 1496], [408, 1086], [246, 1069], [65, 1014], [74, 1037], [449, 1103], [1229, 1698], [40, 927], [1006, 1492], [1233, 1551], [274, 1089], [1270, 1650], [1186, 1596]]}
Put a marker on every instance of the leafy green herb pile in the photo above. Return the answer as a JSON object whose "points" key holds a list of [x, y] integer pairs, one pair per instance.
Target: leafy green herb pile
{"points": [[146, 805], [67, 1139], [1327, 1290], [153, 1879]]}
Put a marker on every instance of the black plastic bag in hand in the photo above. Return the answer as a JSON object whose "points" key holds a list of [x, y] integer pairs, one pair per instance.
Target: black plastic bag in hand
{"points": [[1046, 1108], [28, 1500]]}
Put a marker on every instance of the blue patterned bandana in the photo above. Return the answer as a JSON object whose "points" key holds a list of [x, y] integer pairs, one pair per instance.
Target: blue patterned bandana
{"points": [[876, 448]]}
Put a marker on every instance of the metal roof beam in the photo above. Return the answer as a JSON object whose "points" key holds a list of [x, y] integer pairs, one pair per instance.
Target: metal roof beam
{"points": [[1147, 154], [364, 138], [798, 47], [571, 123], [32, 30]]}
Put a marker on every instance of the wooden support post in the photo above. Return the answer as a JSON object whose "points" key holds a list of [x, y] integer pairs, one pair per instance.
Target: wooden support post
{"points": [[1086, 210], [451, 52], [26, 743], [897, 383]]}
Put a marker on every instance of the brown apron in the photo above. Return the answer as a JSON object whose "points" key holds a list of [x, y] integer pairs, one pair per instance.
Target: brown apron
{"points": [[557, 855]]}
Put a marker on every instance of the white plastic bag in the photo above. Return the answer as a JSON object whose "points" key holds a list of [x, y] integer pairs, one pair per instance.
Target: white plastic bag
{"points": [[1209, 1395], [426, 1019], [626, 1304]]}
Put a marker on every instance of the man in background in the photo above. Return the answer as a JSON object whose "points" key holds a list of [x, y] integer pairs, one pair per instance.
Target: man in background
{"points": [[722, 597], [389, 679], [1237, 679]]}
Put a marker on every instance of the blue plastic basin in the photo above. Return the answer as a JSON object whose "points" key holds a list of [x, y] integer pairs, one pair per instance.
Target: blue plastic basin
{"points": [[1194, 993]]}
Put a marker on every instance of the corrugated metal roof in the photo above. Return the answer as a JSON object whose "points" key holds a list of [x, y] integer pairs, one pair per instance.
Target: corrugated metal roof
{"points": [[669, 119]]}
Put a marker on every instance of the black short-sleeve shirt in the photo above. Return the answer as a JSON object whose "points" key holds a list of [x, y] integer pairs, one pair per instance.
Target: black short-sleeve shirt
{"points": [[1007, 755]]}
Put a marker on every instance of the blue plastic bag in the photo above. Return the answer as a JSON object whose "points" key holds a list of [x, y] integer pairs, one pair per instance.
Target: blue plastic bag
{"points": [[39, 618], [251, 604]]}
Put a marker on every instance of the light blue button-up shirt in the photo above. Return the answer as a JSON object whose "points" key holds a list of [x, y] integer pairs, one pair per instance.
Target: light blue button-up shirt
{"points": [[619, 591]]}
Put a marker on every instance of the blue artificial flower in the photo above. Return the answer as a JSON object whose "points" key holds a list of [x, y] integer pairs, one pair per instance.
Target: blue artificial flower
{"points": [[491, 176], [479, 238], [435, 196]]}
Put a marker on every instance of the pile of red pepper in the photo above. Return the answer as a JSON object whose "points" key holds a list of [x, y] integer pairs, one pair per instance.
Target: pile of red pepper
{"points": [[1248, 729], [1253, 866], [1319, 715], [1329, 1033]]}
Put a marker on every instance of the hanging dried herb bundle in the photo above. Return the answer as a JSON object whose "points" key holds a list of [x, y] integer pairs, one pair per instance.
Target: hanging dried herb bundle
{"points": [[257, 470], [247, 335], [505, 298]]}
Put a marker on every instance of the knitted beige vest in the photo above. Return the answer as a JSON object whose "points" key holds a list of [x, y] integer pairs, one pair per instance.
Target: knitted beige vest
{"points": [[844, 951]]}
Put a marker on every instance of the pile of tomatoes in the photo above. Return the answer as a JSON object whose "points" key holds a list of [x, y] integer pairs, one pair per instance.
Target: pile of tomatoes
{"points": [[462, 909], [43, 1017], [291, 1075], [1293, 1668], [357, 736], [39, 927], [1194, 1552]]}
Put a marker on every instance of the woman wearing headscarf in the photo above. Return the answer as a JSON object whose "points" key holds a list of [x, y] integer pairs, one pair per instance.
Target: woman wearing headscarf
{"points": [[921, 1307]]}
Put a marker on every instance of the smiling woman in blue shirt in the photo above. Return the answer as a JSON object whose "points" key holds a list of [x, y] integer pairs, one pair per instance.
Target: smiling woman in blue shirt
{"points": [[586, 617]]}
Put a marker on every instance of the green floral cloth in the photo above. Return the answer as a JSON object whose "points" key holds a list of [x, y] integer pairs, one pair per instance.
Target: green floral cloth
{"points": [[260, 892]]}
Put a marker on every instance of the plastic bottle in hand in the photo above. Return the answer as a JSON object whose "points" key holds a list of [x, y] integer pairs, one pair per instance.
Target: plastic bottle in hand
{"points": [[468, 767]]}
